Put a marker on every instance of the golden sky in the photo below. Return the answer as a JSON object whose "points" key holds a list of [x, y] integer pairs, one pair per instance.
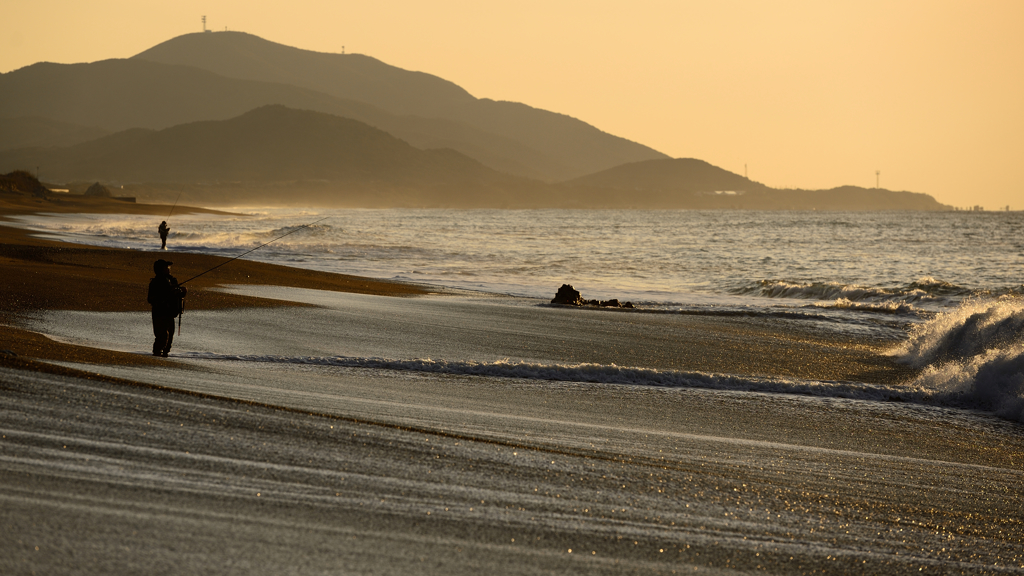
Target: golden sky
{"points": [[810, 94]]}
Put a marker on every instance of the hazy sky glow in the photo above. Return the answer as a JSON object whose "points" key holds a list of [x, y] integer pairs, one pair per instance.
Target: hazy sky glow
{"points": [[807, 94]]}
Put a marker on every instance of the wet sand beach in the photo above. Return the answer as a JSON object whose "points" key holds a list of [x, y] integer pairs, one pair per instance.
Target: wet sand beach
{"points": [[251, 451], [41, 274]]}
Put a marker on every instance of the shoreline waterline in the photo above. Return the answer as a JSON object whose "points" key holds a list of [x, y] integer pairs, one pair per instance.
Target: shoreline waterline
{"points": [[859, 324], [875, 266]]}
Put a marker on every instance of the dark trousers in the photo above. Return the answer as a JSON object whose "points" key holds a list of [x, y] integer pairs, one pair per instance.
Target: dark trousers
{"points": [[163, 330]]}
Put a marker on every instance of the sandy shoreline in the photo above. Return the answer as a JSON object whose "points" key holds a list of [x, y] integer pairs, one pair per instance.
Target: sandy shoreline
{"points": [[49, 275], [240, 466], [386, 473], [42, 274]]}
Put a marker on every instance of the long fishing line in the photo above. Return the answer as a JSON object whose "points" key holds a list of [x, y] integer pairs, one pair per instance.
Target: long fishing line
{"points": [[254, 249], [176, 202]]}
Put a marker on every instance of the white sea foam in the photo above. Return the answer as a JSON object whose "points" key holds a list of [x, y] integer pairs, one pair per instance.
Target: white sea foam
{"points": [[973, 356], [970, 358], [821, 290], [595, 373], [890, 307], [923, 290]]}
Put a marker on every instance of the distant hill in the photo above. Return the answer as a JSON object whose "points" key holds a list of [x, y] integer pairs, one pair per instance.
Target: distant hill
{"points": [[278, 155], [842, 198], [216, 76], [31, 131], [347, 76], [230, 117], [695, 184], [122, 94], [669, 175], [575, 147], [274, 150]]}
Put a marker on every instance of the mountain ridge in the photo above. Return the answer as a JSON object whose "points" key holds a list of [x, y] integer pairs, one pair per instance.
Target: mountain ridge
{"points": [[275, 148], [277, 155], [206, 109], [28, 131], [119, 94], [581, 147], [685, 174], [180, 81], [696, 184], [248, 57]]}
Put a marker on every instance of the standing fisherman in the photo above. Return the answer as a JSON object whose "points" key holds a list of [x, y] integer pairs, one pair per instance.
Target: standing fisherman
{"points": [[163, 229], [166, 297]]}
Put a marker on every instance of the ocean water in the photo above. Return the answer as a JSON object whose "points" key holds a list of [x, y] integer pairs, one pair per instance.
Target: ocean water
{"points": [[907, 263], [947, 289]]}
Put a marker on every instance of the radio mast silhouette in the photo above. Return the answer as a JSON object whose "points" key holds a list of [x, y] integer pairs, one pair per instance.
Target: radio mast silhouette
{"points": [[204, 24], [878, 174]]}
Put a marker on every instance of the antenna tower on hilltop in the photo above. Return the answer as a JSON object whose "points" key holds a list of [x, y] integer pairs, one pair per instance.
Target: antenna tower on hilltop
{"points": [[204, 24], [878, 175]]}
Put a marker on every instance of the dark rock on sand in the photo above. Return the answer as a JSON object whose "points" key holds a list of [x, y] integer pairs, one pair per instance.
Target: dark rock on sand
{"points": [[569, 296]]}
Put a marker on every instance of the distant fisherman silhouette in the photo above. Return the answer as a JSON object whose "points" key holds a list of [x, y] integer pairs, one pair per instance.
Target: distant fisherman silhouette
{"points": [[164, 230], [165, 296]]}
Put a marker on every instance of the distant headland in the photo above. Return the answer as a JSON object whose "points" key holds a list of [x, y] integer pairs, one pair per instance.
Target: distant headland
{"points": [[231, 118]]}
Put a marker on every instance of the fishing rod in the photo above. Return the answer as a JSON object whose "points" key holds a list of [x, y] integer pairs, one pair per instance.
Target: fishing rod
{"points": [[176, 202], [253, 250], [163, 230]]}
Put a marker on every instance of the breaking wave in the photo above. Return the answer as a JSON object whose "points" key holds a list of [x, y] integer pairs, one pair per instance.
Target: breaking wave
{"points": [[972, 356], [924, 289], [889, 307], [921, 299], [599, 374]]}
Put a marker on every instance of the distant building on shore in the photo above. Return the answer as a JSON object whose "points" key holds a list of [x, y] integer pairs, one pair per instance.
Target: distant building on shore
{"points": [[98, 189]]}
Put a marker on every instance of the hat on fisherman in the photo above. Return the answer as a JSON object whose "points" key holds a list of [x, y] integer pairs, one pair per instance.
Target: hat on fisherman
{"points": [[161, 264]]}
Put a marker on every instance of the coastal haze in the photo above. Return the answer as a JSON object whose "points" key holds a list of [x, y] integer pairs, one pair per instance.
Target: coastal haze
{"points": [[802, 94], [407, 138], [786, 348], [383, 136]]}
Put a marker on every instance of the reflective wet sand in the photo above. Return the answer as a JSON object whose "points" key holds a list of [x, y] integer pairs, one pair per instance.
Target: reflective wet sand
{"points": [[239, 466]]}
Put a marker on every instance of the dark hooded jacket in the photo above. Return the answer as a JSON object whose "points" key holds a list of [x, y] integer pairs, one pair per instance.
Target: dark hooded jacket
{"points": [[165, 296]]}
